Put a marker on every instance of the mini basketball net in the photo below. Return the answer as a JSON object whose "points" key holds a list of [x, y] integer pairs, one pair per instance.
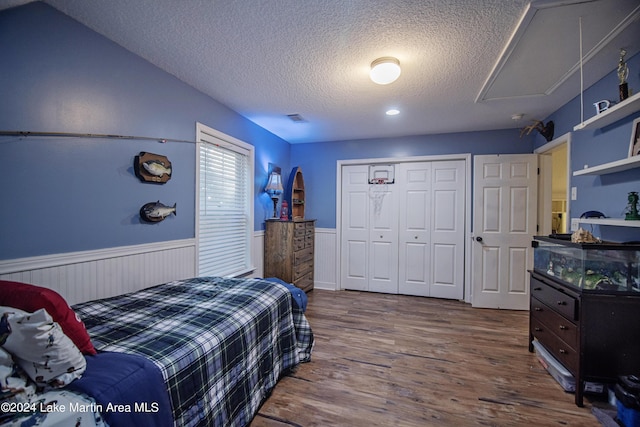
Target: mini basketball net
{"points": [[380, 176]]}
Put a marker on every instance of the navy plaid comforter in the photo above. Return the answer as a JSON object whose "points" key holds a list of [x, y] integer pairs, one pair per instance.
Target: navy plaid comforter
{"points": [[221, 343]]}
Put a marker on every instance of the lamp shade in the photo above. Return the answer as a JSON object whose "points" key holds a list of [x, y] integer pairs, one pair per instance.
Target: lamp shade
{"points": [[385, 70], [275, 184]]}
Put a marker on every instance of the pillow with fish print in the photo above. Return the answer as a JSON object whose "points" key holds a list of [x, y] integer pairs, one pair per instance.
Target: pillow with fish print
{"points": [[40, 347], [14, 383]]}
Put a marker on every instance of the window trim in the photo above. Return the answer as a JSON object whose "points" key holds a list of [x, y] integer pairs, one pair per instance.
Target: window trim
{"points": [[203, 136]]}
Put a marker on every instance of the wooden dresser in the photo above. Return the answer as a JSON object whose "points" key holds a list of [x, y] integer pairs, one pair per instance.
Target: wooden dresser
{"points": [[289, 251], [595, 335]]}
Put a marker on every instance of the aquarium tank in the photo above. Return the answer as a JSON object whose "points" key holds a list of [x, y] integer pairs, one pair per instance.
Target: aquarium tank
{"points": [[608, 267]]}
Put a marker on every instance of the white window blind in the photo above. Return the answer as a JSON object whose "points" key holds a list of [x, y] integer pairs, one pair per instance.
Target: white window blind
{"points": [[225, 204]]}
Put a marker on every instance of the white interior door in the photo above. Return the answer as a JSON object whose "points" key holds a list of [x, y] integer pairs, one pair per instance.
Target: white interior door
{"points": [[369, 245], [504, 222], [415, 228], [354, 245], [431, 257], [383, 238], [447, 229]]}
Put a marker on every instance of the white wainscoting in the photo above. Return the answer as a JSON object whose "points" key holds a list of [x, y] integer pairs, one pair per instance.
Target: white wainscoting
{"points": [[258, 257], [325, 272], [89, 275]]}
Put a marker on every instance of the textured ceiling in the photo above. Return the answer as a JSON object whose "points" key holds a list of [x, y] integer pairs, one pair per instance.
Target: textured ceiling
{"points": [[466, 64]]}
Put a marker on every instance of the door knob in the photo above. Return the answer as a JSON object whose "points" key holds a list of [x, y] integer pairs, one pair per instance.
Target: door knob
{"points": [[478, 239]]}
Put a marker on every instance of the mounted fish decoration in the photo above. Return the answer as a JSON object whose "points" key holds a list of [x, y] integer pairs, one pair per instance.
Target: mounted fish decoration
{"points": [[151, 167], [156, 168], [156, 211]]}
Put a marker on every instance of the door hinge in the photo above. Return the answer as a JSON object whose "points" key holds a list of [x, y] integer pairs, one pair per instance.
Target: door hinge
{"points": [[538, 171]]}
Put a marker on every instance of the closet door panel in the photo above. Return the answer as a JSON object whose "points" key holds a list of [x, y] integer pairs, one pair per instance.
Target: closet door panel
{"points": [[415, 271], [447, 229], [406, 237], [444, 257], [414, 211], [354, 268], [444, 215], [356, 259], [383, 238]]}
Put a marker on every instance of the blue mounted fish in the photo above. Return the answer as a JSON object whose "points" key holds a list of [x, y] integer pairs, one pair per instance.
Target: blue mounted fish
{"points": [[156, 211], [151, 167]]}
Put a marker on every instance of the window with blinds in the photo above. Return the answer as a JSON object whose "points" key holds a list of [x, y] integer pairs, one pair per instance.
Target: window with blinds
{"points": [[224, 230]]}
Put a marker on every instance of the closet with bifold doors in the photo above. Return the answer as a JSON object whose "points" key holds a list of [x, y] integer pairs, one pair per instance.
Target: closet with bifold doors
{"points": [[402, 228]]}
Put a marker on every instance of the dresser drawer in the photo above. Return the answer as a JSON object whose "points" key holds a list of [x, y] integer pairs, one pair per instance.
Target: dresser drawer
{"points": [[562, 303], [554, 323], [302, 234], [308, 241], [305, 282], [299, 242], [558, 348], [302, 255], [299, 234], [303, 269]]}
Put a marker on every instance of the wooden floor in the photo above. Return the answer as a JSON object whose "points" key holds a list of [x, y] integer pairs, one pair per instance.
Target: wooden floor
{"points": [[389, 360]]}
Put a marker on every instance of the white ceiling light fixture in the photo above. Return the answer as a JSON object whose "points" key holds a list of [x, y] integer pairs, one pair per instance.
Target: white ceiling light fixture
{"points": [[385, 70], [392, 112]]}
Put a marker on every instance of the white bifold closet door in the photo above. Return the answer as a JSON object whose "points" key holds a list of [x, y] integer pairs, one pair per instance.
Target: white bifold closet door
{"points": [[406, 237]]}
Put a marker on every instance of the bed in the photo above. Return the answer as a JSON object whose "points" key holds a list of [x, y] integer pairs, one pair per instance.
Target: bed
{"points": [[199, 352]]}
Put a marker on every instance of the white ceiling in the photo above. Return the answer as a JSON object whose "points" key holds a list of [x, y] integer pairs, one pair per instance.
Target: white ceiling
{"points": [[466, 64]]}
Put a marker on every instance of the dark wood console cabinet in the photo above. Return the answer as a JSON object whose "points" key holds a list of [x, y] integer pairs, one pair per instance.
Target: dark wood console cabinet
{"points": [[595, 335]]}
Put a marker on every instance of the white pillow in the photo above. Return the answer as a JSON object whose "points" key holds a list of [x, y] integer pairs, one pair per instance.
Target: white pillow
{"points": [[40, 347]]}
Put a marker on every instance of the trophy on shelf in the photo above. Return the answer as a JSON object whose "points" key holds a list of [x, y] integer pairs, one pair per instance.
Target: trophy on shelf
{"points": [[623, 73], [632, 207]]}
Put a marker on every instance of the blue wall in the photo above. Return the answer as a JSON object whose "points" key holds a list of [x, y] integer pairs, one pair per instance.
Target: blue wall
{"points": [[605, 193], [69, 194], [318, 161]]}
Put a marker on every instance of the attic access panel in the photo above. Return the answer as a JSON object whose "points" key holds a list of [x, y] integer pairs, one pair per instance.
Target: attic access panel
{"points": [[544, 50]]}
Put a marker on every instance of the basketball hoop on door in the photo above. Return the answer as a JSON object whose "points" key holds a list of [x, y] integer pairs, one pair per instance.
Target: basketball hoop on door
{"points": [[380, 176]]}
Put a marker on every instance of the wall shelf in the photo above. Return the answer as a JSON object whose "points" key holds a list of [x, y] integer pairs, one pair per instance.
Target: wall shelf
{"points": [[609, 221], [611, 167], [295, 194], [611, 115]]}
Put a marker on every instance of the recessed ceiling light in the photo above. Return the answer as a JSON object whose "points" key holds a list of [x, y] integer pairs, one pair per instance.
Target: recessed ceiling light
{"points": [[392, 112]]}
